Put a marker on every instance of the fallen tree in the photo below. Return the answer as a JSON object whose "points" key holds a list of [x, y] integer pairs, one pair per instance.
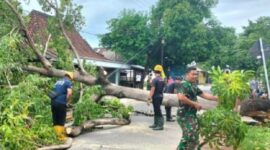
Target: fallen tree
{"points": [[45, 67]]}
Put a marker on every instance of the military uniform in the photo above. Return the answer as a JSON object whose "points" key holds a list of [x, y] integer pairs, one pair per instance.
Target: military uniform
{"points": [[187, 118]]}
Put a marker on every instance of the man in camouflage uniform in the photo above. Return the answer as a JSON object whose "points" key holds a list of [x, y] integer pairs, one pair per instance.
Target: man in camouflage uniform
{"points": [[186, 114]]}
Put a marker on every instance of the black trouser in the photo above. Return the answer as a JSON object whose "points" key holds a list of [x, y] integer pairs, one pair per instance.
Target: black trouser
{"points": [[168, 112], [58, 113], [157, 101]]}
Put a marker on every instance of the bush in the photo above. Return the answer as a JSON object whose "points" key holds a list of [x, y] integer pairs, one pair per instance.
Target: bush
{"points": [[220, 126], [25, 120], [87, 109]]}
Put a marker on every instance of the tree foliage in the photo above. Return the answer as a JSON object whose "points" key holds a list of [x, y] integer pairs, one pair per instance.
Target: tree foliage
{"points": [[68, 11], [222, 125], [89, 110], [222, 42], [187, 28], [230, 86], [129, 36], [180, 24], [257, 139], [25, 121], [252, 32]]}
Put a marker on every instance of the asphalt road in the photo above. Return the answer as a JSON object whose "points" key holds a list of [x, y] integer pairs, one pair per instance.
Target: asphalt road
{"points": [[135, 136]]}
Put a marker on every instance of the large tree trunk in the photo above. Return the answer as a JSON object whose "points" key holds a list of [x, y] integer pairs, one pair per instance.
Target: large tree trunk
{"points": [[141, 95], [115, 90], [86, 79]]}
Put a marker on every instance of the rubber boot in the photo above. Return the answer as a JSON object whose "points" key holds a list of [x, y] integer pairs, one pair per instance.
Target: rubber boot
{"points": [[61, 133], [160, 124], [155, 123]]}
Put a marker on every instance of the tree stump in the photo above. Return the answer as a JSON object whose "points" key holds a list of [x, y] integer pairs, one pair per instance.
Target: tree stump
{"points": [[258, 109]]}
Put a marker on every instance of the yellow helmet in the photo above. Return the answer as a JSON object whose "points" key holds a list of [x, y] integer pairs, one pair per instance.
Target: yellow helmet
{"points": [[158, 68], [69, 74]]}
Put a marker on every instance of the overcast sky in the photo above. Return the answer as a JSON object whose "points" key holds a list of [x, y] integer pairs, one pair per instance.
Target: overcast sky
{"points": [[233, 13]]}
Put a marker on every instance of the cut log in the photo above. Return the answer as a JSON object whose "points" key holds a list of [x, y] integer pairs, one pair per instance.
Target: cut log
{"points": [[75, 131], [66, 145]]}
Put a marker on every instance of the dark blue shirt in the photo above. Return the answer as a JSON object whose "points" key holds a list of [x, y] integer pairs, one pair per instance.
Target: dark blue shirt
{"points": [[159, 84], [170, 88], [61, 87]]}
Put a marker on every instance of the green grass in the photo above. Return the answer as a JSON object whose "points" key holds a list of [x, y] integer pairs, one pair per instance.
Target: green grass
{"points": [[257, 138]]}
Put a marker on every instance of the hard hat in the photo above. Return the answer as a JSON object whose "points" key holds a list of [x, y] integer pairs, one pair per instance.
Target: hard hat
{"points": [[158, 68], [69, 74]]}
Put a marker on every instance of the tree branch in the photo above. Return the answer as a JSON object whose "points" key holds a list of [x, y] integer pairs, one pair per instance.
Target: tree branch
{"points": [[46, 46], [81, 93], [43, 60], [87, 79], [73, 48], [9, 84]]}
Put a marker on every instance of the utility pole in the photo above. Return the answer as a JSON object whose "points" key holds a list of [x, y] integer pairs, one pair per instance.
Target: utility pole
{"points": [[162, 51], [265, 69]]}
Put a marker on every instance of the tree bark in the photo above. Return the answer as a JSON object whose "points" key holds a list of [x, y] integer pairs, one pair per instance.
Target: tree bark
{"points": [[141, 95], [86, 79], [75, 131]]}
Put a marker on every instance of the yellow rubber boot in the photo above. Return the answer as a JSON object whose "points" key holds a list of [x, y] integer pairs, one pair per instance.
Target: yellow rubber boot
{"points": [[61, 133]]}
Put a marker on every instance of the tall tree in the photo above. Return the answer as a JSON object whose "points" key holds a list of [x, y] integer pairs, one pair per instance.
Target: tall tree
{"points": [[252, 32], [181, 24], [221, 42], [129, 36]]}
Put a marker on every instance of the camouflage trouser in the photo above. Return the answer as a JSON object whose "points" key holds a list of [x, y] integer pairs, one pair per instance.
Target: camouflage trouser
{"points": [[188, 121]]}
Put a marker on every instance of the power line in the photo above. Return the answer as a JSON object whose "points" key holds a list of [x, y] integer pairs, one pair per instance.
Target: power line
{"points": [[127, 61], [139, 4], [144, 3], [95, 34]]}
